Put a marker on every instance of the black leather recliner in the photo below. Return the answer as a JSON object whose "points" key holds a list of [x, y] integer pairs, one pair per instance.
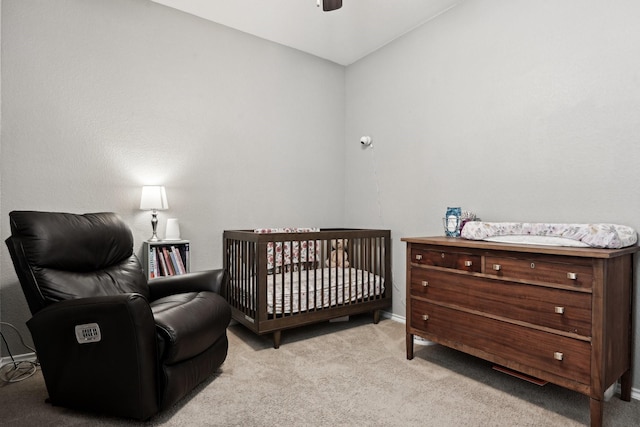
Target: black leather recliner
{"points": [[107, 340]]}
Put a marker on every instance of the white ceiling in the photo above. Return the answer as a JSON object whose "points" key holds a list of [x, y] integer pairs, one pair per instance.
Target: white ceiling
{"points": [[342, 36]]}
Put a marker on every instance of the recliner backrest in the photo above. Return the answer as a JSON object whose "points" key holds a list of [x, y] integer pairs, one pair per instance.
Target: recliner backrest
{"points": [[60, 256]]}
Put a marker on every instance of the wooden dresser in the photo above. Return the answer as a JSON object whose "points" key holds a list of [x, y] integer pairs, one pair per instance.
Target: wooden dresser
{"points": [[560, 314]]}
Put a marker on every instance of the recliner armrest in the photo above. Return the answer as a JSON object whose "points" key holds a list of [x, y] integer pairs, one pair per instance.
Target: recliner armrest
{"points": [[208, 280], [122, 362]]}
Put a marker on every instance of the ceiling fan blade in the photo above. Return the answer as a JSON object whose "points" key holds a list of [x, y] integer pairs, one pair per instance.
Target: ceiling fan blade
{"points": [[329, 5]]}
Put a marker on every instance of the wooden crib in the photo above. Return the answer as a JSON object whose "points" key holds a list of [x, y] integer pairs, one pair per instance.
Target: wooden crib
{"points": [[284, 278]]}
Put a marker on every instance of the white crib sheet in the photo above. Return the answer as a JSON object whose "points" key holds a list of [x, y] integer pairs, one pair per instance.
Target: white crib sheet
{"points": [[314, 289]]}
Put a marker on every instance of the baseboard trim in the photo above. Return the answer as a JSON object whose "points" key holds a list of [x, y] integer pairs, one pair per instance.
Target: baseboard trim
{"points": [[26, 357], [392, 316], [635, 392]]}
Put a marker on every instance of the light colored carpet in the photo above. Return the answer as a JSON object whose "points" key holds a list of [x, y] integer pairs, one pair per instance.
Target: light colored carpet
{"points": [[341, 374]]}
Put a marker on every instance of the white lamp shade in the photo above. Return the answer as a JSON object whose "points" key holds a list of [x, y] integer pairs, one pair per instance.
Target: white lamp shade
{"points": [[153, 197]]}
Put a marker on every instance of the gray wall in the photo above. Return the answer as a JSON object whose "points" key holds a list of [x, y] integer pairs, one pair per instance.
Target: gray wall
{"points": [[517, 110], [100, 97]]}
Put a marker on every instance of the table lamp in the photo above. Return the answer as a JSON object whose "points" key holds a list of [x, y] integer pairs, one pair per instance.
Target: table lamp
{"points": [[154, 198]]}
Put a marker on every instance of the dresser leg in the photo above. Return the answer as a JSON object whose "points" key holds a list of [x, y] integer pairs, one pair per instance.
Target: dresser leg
{"points": [[409, 346], [595, 407], [625, 386]]}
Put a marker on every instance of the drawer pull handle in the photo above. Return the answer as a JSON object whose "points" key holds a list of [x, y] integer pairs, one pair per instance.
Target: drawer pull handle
{"points": [[558, 356], [425, 317], [559, 310], [572, 276], [468, 263], [533, 265], [497, 267], [425, 283], [418, 257], [442, 255]]}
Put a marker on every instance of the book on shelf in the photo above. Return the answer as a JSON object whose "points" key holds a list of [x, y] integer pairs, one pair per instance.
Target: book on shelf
{"points": [[185, 257], [167, 259], [162, 264], [175, 256], [152, 263], [178, 260]]}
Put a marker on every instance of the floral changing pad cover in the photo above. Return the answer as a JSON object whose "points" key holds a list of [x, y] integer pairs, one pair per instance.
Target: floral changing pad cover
{"points": [[610, 236]]}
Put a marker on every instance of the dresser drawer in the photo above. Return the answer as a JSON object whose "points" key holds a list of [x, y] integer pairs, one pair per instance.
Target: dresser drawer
{"points": [[559, 355], [446, 259], [564, 310], [577, 273]]}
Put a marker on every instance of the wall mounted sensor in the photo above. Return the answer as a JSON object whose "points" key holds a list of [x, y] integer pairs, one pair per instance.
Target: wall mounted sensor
{"points": [[366, 141]]}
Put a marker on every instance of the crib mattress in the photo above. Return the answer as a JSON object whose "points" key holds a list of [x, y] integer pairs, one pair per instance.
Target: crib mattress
{"points": [[611, 236], [314, 289]]}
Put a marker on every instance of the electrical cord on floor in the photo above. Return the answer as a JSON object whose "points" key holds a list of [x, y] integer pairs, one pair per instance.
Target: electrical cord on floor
{"points": [[15, 371]]}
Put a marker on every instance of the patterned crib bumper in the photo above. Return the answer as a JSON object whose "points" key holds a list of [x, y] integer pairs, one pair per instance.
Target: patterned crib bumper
{"points": [[290, 253]]}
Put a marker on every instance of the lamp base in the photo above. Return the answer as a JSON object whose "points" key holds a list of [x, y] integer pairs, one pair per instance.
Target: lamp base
{"points": [[154, 226]]}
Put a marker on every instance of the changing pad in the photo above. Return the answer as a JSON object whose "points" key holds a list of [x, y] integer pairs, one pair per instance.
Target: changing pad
{"points": [[611, 236]]}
